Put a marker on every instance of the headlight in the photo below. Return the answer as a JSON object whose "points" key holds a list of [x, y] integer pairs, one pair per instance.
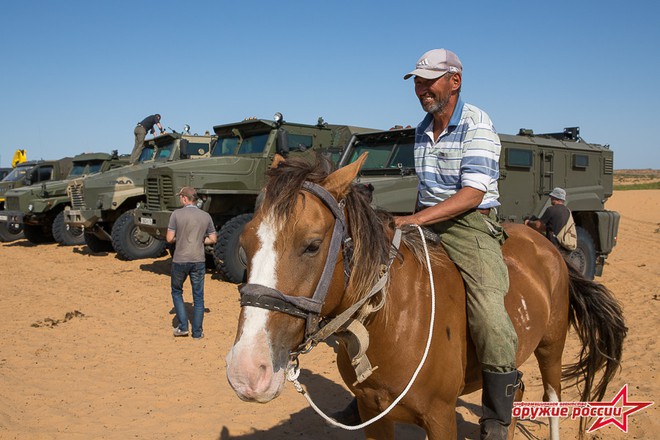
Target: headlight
{"points": [[30, 207]]}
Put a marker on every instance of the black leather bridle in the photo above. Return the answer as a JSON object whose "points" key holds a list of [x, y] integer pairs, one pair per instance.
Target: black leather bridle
{"points": [[257, 295]]}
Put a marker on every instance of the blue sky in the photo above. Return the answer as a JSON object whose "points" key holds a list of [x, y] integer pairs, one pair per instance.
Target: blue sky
{"points": [[76, 76]]}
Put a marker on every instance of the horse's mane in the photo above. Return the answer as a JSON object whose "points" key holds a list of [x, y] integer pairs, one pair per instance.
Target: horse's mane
{"points": [[370, 229], [371, 245]]}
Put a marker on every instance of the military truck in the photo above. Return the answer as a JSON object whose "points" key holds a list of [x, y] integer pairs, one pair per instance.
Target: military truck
{"points": [[40, 207], [25, 174], [229, 182], [103, 204], [531, 165]]}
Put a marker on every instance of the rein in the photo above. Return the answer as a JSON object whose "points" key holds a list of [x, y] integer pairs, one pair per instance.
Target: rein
{"points": [[293, 372], [257, 295]]}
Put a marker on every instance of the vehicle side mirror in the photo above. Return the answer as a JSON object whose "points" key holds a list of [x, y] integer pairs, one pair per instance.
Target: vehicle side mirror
{"points": [[183, 149], [282, 146]]}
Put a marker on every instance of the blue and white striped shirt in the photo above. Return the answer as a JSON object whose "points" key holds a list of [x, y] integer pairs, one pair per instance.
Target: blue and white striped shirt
{"points": [[467, 153]]}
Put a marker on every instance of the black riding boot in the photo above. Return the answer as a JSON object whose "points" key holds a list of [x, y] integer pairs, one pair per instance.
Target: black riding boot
{"points": [[349, 415], [497, 395]]}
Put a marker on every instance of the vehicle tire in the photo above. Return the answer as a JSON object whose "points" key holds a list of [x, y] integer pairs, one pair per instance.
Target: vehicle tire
{"points": [[11, 231], [67, 235], [131, 243], [584, 256], [38, 234], [229, 257], [96, 244]]}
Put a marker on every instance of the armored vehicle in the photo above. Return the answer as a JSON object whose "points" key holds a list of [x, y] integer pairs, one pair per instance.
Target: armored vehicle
{"points": [[39, 208], [25, 174], [103, 204], [229, 182], [531, 165]]}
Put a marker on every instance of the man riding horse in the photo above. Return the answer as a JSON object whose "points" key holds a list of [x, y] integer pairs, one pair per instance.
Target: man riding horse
{"points": [[457, 161]]}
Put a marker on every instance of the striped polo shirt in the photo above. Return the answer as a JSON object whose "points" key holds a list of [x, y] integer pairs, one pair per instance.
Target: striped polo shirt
{"points": [[467, 153]]}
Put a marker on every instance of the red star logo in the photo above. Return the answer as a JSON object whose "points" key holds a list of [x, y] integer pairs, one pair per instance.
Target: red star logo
{"points": [[622, 424]]}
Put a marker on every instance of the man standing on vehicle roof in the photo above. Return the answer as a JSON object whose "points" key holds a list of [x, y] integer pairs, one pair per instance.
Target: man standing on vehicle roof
{"points": [[140, 133], [457, 154]]}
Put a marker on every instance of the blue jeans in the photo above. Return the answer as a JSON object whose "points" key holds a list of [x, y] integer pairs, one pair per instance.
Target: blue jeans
{"points": [[196, 271]]}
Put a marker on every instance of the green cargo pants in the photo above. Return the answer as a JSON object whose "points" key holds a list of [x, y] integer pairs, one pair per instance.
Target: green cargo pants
{"points": [[473, 241]]}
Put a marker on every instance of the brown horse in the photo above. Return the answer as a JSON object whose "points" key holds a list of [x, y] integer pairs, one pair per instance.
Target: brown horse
{"points": [[299, 273]]}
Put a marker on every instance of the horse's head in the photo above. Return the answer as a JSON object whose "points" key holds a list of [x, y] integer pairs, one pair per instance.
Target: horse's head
{"points": [[298, 226]]}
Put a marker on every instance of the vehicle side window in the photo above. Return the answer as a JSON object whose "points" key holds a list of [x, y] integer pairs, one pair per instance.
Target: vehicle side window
{"points": [[42, 173], [404, 155], [519, 158], [198, 148], [299, 142]]}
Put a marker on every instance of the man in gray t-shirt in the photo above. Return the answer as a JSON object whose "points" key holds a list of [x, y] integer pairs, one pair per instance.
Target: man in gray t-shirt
{"points": [[190, 228]]}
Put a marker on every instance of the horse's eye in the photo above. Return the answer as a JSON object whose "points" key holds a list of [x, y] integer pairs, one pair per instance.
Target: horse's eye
{"points": [[313, 247]]}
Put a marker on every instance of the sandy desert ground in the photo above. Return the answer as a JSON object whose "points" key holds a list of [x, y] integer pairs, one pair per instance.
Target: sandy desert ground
{"points": [[87, 351]]}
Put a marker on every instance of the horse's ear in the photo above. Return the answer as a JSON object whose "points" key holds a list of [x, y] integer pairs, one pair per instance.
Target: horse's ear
{"points": [[277, 160], [338, 183]]}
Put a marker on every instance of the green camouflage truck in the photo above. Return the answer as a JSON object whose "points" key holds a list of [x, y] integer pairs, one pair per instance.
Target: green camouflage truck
{"points": [[39, 208], [103, 204], [531, 165], [25, 174], [229, 182]]}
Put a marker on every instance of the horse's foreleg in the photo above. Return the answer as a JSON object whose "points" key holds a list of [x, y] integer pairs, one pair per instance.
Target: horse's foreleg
{"points": [[441, 424]]}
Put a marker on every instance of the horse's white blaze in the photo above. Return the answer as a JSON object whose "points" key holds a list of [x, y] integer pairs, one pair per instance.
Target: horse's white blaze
{"points": [[264, 263], [265, 258], [249, 362], [554, 421]]}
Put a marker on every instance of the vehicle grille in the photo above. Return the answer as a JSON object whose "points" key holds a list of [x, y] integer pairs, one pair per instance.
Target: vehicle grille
{"points": [[608, 166], [158, 189], [12, 203], [75, 191]]}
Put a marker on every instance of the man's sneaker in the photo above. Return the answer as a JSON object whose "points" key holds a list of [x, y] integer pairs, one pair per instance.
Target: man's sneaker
{"points": [[198, 337], [179, 332]]}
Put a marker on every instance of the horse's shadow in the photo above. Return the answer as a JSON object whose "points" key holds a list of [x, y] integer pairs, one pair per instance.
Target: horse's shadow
{"points": [[306, 424], [330, 397]]}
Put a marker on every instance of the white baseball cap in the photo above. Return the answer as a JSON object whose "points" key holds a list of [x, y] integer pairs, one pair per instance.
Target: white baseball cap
{"points": [[435, 63]]}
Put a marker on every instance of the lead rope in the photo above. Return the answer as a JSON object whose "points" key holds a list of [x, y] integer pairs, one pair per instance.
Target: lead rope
{"points": [[293, 373]]}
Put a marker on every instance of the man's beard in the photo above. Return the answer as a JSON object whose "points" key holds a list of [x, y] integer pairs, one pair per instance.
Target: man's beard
{"points": [[437, 106]]}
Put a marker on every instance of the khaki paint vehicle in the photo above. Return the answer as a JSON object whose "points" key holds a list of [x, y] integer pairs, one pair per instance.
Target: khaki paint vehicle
{"points": [[531, 165], [39, 208], [229, 182], [103, 204], [25, 174]]}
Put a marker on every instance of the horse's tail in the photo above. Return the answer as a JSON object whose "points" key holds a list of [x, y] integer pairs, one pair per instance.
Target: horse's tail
{"points": [[597, 317]]}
